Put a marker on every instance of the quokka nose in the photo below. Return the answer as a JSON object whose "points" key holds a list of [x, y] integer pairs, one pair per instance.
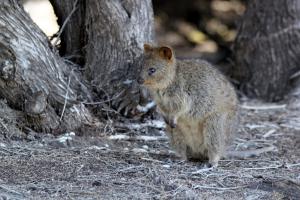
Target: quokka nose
{"points": [[140, 80]]}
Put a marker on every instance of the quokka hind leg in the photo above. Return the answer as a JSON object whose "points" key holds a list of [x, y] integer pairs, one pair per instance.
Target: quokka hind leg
{"points": [[231, 126], [214, 137], [177, 140]]}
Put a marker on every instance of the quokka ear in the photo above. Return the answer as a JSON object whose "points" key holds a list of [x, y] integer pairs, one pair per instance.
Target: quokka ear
{"points": [[166, 53], [148, 48]]}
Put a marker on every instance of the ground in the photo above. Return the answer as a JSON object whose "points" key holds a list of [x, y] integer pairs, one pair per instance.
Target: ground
{"points": [[134, 161]]}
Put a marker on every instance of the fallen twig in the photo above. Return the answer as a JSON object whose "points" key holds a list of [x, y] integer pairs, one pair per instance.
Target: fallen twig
{"points": [[218, 188], [250, 153], [269, 133], [11, 191], [266, 167], [205, 169], [263, 107], [292, 165], [139, 137], [5, 127], [138, 126]]}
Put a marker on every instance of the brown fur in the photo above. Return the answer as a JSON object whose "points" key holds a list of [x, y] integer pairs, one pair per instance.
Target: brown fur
{"points": [[195, 99]]}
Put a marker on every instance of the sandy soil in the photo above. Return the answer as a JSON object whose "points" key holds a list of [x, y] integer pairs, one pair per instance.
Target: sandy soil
{"points": [[133, 161]]}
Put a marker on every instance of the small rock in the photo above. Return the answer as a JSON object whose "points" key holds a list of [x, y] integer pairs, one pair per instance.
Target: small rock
{"points": [[97, 183]]}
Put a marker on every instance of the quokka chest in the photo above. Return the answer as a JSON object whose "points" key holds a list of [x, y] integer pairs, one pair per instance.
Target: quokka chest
{"points": [[170, 102], [163, 100], [173, 102]]}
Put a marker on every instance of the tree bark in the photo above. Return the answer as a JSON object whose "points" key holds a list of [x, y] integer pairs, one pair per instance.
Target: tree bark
{"points": [[267, 48], [114, 33], [47, 93], [34, 79]]}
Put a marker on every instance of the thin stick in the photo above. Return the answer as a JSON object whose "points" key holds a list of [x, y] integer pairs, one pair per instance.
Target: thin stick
{"points": [[268, 167], [66, 98], [11, 191], [139, 137], [264, 107], [250, 153], [292, 165], [4, 126], [269, 133], [152, 160], [105, 101], [218, 188], [65, 23], [200, 171]]}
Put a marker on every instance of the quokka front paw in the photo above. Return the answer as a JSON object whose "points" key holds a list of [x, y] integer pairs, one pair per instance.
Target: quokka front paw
{"points": [[172, 124], [170, 121]]}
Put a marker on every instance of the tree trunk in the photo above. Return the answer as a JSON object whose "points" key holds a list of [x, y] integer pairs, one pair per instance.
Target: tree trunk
{"points": [[114, 34], [34, 79], [267, 48], [50, 95]]}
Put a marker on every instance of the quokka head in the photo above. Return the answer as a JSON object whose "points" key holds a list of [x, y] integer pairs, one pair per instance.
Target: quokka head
{"points": [[157, 67]]}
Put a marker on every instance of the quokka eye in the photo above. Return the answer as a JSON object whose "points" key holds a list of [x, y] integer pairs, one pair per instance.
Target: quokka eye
{"points": [[151, 71]]}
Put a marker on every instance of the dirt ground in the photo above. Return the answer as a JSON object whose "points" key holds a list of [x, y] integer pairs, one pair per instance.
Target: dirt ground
{"points": [[133, 161]]}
